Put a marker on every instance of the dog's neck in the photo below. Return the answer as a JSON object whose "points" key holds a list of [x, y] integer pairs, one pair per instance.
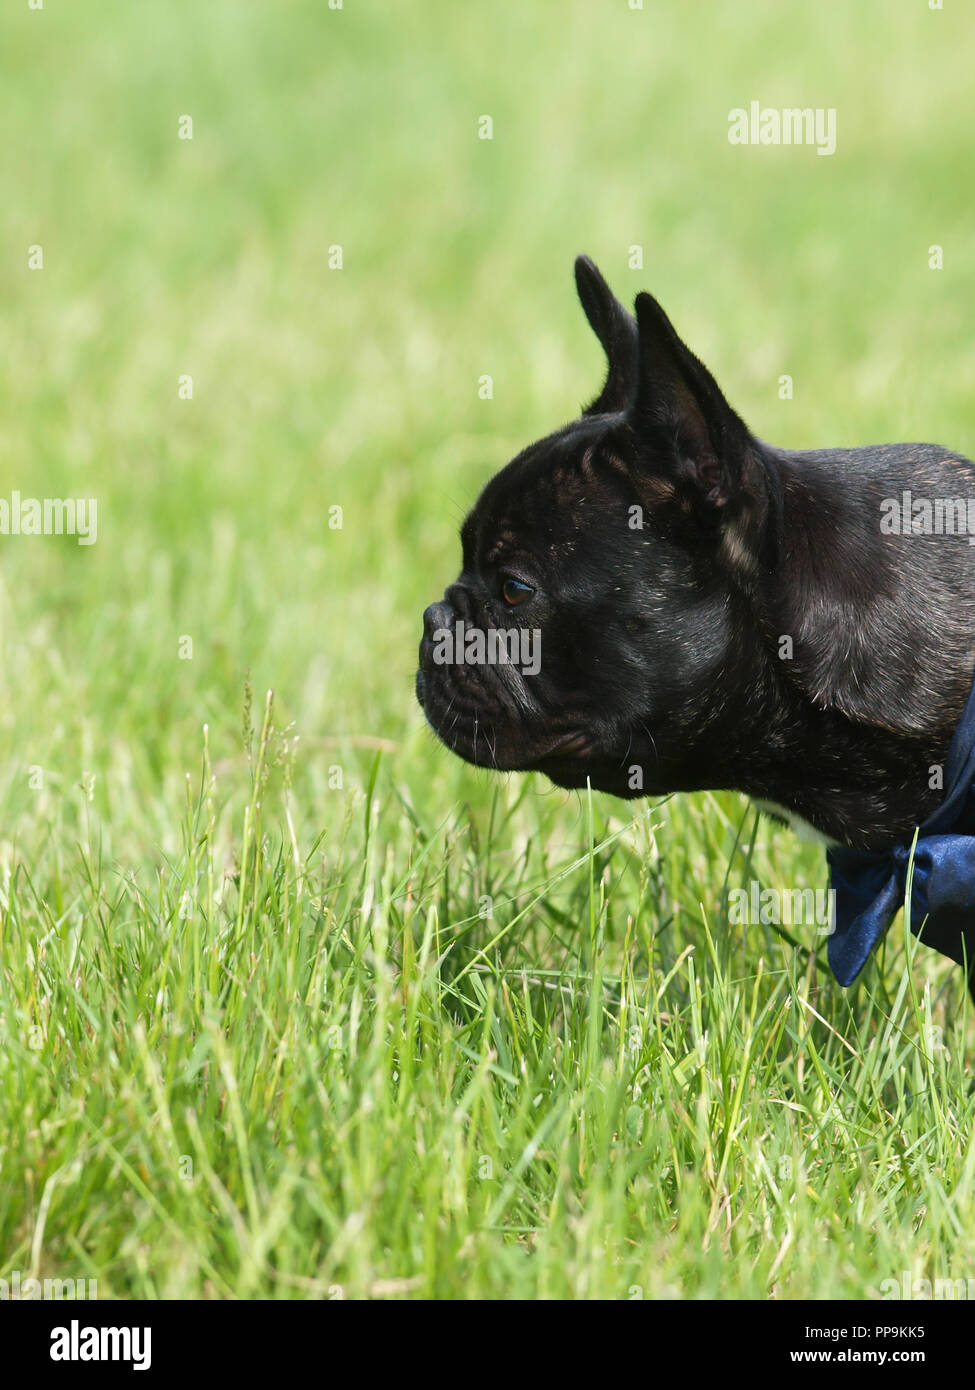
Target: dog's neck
{"points": [[810, 720]]}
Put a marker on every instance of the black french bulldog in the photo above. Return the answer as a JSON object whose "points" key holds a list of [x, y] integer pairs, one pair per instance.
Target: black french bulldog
{"points": [[712, 611]]}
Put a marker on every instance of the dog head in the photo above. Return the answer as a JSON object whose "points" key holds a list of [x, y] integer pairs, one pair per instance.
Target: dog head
{"points": [[605, 575]]}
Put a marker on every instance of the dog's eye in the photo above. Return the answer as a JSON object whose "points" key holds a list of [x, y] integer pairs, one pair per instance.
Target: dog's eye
{"points": [[514, 592]]}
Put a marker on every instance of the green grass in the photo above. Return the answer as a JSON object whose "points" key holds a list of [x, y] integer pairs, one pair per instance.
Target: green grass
{"points": [[300, 1005]]}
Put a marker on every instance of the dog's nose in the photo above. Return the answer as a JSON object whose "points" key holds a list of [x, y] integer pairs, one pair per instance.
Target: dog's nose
{"points": [[436, 617]]}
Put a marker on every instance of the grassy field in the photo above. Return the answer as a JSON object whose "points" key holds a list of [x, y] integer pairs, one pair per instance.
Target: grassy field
{"points": [[292, 1003]]}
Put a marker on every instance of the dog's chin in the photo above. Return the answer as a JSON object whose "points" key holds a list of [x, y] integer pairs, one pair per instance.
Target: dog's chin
{"points": [[577, 771]]}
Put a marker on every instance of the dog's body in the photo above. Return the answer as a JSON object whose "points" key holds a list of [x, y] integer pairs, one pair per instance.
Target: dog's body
{"points": [[714, 612]]}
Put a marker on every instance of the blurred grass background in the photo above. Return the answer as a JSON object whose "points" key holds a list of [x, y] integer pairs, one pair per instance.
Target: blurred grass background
{"points": [[358, 387]]}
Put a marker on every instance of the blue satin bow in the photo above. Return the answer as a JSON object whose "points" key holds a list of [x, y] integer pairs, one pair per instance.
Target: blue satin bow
{"points": [[871, 885]]}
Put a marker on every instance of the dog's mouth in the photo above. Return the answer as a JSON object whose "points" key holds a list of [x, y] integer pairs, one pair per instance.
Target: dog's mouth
{"points": [[571, 760], [573, 746], [505, 740], [502, 742]]}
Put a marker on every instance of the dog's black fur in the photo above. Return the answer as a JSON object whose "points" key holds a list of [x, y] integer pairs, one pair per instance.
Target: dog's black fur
{"points": [[662, 648]]}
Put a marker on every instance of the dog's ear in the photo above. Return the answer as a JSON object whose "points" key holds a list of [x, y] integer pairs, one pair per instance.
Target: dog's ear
{"points": [[616, 330], [691, 432]]}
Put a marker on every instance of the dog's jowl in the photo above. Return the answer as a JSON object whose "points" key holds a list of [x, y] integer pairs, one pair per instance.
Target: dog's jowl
{"points": [[710, 611]]}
